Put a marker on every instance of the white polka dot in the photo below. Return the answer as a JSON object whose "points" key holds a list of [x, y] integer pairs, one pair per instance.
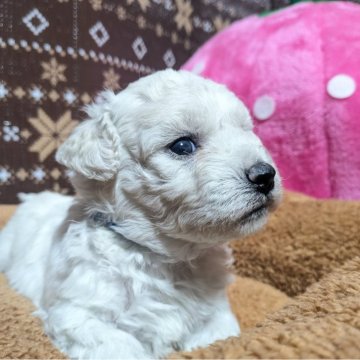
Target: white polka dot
{"points": [[264, 107], [198, 67], [341, 86]]}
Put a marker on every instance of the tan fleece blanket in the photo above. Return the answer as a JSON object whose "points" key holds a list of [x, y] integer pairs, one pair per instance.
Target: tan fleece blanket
{"points": [[309, 248]]}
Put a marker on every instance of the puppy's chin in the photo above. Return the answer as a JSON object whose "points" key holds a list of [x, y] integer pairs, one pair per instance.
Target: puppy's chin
{"points": [[226, 230], [252, 222]]}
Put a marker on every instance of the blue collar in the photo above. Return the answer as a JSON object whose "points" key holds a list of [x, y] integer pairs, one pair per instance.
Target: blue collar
{"points": [[102, 220]]}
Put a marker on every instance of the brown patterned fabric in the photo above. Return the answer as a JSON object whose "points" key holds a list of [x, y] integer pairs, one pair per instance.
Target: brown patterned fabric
{"points": [[55, 55]]}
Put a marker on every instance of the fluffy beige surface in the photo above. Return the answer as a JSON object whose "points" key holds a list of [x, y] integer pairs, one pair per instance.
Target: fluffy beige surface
{"points": [[304, 240], [309, 248], [21, 335], [324, 322]]}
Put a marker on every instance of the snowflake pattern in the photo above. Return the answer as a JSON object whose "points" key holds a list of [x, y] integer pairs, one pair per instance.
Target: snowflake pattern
{"points": [[52, 133], [5, 175], [121, 13], [38, 174], [111, 79], [36, 94], [11, 133], [42, 98], [183, 15], [3, 91], [53, 71], [69, 97]]}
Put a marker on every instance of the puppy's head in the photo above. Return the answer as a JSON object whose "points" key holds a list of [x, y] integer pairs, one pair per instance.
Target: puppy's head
{"points": [[175, 152]]}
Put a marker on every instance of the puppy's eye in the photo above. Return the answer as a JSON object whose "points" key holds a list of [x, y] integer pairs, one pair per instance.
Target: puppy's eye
{"points": [[183, 146]]}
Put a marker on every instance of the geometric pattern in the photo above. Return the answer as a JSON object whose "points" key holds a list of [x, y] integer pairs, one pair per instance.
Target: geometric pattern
{"points": [[99, 34], [53, 71], [169, 58], [57, 55], [35, 22], [139, 47], [52, 133]]}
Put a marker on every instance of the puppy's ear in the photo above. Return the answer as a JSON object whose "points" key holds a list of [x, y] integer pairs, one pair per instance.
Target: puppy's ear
{"points": [[92, 149]]}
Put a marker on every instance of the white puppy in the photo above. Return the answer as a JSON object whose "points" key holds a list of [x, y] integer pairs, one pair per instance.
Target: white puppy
{"points": [[135, 266]]}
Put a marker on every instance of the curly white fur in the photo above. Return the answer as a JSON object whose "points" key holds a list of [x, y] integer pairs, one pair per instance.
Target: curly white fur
{"points": [[155, 283]]}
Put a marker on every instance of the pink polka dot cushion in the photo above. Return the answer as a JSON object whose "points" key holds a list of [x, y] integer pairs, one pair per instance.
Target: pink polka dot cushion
{"points": [[298, 70]]}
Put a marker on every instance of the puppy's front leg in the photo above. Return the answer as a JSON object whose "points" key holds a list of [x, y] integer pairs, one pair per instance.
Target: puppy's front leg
{"points": [[82, 335], [222, 325]]}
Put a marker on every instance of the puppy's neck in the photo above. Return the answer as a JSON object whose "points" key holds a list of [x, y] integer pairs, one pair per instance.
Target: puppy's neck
{"points": [[139, 234], [170, 249]]}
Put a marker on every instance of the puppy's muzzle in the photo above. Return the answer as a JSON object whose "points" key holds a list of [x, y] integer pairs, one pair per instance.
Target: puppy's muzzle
{"points": [[262, 176]]}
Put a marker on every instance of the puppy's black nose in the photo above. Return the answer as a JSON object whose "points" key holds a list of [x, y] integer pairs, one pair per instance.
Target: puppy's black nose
{"points": [[262, 175]]}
